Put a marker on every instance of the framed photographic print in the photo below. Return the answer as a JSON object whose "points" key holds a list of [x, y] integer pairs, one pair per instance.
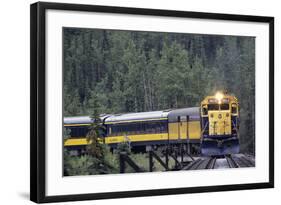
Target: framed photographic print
{"points": [[129, 102]]}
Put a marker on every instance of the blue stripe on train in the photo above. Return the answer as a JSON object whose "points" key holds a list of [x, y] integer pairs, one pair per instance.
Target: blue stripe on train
{"points": [[219, 145]]}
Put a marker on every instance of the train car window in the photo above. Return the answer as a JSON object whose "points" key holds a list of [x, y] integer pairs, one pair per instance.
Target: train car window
{"points": [[213, 107], [164, 127], [102, 131], [138, 128], [128, 128], [79, 131], [149, 128], [224, 106], [124, 129], [115, 130], [135, 128]]}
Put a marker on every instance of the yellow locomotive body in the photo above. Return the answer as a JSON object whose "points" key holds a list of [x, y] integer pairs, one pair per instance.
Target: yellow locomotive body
{"points": [[220, 123]]}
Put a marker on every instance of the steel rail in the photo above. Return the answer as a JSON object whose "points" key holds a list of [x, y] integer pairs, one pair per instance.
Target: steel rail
{"points": [[211, 163], [231, 162], [193, 165]]}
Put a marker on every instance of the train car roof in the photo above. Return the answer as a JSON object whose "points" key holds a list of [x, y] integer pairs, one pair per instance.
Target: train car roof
{"points": [[81, 119], [193, 113], [171, 115], [138, 116]]}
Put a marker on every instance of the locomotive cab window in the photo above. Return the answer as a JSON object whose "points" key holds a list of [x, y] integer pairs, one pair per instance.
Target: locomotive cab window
{"points": [[213, 107], [224, 106], [234, 108], [204, 110]]}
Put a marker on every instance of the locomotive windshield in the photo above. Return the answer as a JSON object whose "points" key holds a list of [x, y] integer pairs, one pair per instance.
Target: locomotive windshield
{"points": [[224, 106], [218, 107], [213, 107]]}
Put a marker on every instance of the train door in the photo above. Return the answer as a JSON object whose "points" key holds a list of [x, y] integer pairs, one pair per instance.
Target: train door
{"points": [[173, 130], [183, 127]]}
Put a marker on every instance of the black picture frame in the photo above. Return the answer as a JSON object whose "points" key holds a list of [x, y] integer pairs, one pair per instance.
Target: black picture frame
{"points": [[38, 100]]}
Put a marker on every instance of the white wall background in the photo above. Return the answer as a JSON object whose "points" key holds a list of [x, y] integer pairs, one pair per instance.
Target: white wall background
{"points": [[14, 100]]}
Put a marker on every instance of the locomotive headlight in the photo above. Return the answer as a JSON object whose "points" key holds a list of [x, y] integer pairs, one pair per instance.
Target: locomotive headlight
{"points": [[219, 97]]}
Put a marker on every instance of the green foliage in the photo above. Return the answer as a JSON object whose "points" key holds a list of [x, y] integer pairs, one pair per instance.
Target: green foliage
{"points": [[95, 147], [77, 165], [66, 133], [89, 165], [123, 147], [129, 71], [98, 159], [141, 159]]}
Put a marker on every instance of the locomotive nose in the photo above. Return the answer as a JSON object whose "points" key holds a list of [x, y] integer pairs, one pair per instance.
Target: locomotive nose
{"points": [[219, 123]]}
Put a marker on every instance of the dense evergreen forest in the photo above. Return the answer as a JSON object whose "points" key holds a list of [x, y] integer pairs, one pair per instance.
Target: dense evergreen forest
{"points": [[133, 71]]}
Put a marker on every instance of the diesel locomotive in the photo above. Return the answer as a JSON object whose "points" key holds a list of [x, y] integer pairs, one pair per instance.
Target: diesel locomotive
{"points": [[220, 125]]}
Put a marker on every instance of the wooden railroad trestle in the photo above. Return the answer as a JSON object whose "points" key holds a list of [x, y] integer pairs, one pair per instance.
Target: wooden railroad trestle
{"points": [[125, 159]]}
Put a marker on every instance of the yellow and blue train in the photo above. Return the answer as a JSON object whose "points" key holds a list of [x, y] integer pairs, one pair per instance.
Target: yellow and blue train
{"points": [[213, 126]]}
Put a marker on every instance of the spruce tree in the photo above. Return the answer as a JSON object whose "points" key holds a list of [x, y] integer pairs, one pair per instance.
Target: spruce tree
{"points": [[95, 147]]}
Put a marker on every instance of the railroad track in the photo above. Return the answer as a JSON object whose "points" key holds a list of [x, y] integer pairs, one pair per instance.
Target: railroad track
{"points": [[193, 165], [231, 162], [244, 161], [205, 163], [211, 163], [228, 161]]}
